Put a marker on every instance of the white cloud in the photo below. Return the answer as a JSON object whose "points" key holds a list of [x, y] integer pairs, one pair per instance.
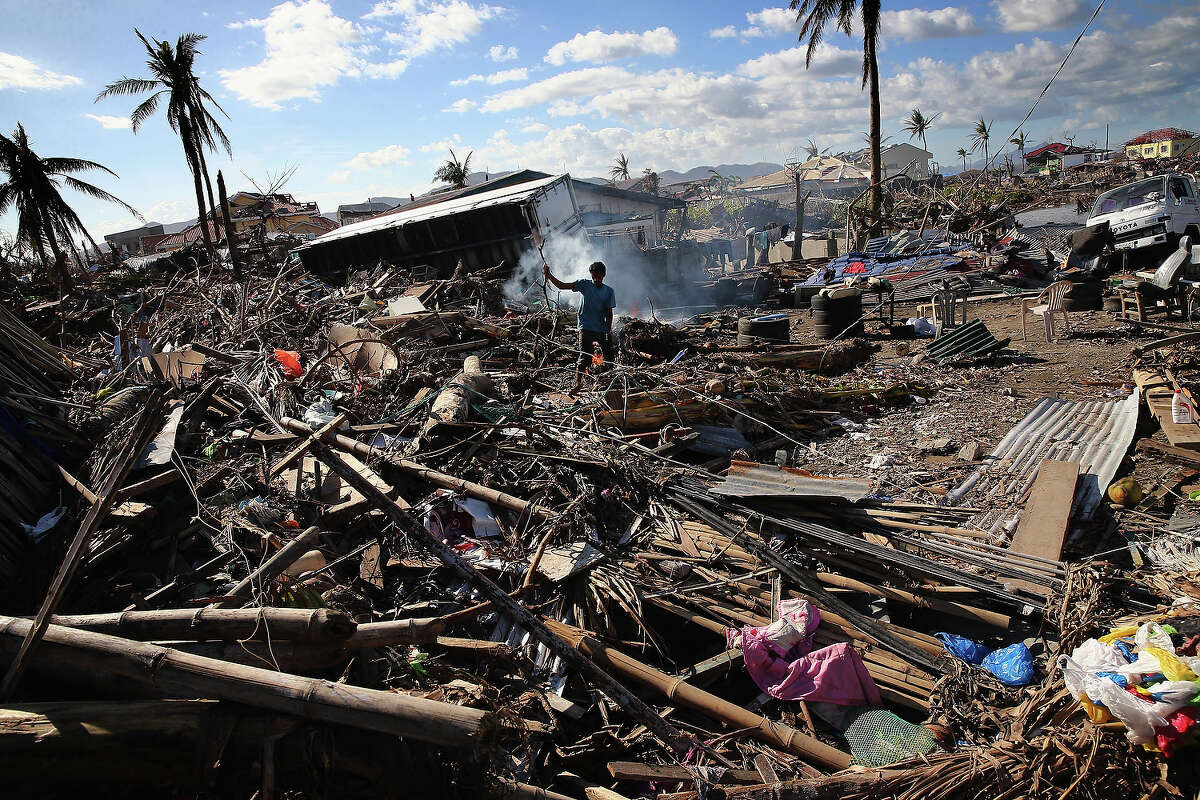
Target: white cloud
{"points": [[785, 64], [307, 47], [503, 76], [767, 22], [461, 106], [109, 122], [439, 24], [1036, 15], [916, 24], [774, 21], [21, 73], [171, 211], [391, 8], [599, 47], [393, 155], [499, 52], [535, 127], [575, 83]]}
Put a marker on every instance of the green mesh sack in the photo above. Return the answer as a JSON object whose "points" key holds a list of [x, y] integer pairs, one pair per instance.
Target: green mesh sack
{"points": [[879, 737]]}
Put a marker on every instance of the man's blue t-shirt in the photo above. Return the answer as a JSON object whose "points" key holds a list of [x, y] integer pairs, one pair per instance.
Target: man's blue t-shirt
{"points": [[596, 300]]}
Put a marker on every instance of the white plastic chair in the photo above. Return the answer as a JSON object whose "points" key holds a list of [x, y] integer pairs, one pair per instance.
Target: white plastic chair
{"points": [[1049, 302]]}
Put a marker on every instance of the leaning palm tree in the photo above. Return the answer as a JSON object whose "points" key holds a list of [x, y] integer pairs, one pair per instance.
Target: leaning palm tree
{"points": [[963, 153], [1021, 140], [620, 169], [918, 126], [814, 15], [32, 188], [980, 138], [173, 74], [455, 172], [813, 150]]}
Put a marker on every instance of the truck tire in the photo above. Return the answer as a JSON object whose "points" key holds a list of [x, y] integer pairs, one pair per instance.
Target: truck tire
{"points": [[775, 328]]}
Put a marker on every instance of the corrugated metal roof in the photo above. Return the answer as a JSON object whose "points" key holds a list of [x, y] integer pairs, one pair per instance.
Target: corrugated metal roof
{"points": [[748, 479], [501, 196], [1096, 433], [970, 341]]}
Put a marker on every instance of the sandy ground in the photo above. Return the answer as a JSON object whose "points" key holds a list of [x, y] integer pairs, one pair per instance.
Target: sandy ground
{"points": [[972, 403]]}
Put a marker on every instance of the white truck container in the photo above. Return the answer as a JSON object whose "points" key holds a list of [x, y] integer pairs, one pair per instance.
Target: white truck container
{"points": [[1152, 211]]}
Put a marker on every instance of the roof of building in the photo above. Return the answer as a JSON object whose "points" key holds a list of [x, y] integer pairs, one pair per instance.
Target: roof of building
{"points": [[825, 169], [629, 194], [864, 153], [1160, 135], [369, 207], [191, 234], [462, 200], [148, 228]]}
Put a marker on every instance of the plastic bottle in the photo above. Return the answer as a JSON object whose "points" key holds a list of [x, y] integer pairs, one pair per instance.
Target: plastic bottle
{"points": [[1181, 409]]}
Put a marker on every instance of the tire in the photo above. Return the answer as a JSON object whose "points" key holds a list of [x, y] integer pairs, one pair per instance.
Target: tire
{"points": [[818, 302], [772, 330]]}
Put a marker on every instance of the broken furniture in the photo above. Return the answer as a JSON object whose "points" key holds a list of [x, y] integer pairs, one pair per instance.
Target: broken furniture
{"points": [[1164, 291], [1050, 302]]}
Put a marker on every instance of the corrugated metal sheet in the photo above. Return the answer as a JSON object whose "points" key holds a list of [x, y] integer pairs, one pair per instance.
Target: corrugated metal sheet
{"points": [[748, 479], [970, 341], [1096, 433]]}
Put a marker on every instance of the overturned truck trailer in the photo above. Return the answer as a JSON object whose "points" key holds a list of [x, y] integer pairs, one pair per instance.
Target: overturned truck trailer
{"points": [[482, 228]]}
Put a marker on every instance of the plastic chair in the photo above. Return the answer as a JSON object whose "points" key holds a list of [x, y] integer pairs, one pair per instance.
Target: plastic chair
{"points": [[1049, 301]]}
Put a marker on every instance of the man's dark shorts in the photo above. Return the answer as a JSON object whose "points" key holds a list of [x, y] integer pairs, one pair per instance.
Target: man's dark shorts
{"points": [[585, 343]]}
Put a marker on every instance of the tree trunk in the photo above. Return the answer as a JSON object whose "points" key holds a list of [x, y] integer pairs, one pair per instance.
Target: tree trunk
{"points": [[798, 233], [59, 272], [876, 139], [230, 231], [189, 675], [189, 151], [212, 206]]}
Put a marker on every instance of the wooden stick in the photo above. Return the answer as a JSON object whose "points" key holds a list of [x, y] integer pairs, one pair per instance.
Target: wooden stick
{"points": [[406, 523], [273, 567], [476, 490], [677, 691], [293, 624], [150, 417], [173, 671]]}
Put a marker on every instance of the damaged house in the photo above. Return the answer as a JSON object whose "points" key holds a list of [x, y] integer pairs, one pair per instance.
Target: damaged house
{"points": [[492, 222]]}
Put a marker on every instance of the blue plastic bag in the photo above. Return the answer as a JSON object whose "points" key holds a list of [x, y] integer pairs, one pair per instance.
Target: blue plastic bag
{"points": [[962, 647], [1012, 665]]}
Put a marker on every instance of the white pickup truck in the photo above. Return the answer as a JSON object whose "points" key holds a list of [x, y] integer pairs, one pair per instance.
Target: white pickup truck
{"points": [[1152, 211]]}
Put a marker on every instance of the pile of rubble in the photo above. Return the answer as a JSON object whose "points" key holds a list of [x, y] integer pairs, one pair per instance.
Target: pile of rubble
{"points": [[310, 536]]}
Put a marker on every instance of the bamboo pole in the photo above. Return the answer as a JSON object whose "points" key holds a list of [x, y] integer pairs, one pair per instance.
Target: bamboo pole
{"points": [[106, 497], [294, 624], [406, 523], [273, 567], [469, 488], [401, 631], [176, 672], [681, 693]]}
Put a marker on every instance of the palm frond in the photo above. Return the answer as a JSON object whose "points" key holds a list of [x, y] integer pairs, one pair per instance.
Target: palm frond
{"points": [[95, 191], [145, 110], [126, 86], [61, 166]]}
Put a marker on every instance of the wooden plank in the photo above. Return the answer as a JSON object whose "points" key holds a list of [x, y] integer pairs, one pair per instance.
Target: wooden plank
{"points": [[1043, 525], [1156, 391]]}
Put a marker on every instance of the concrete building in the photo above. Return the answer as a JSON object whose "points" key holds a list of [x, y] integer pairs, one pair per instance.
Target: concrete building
{"points": [[356, 212], [1163, 143], [894, 160], [129, 242]]}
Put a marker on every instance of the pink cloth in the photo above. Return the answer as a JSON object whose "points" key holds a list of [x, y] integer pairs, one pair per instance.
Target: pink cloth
{"points": [[779, 660]]}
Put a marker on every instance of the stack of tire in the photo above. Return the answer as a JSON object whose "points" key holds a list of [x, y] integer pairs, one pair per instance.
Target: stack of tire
{"points": [[1084, 296], [770, 328], [835, 311]]}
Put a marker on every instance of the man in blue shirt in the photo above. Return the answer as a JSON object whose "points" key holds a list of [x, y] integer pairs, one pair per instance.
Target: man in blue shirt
{"points": [[595, 314]]}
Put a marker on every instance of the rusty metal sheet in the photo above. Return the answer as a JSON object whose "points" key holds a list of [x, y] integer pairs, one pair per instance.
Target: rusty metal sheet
{"points": [[747, 479]]}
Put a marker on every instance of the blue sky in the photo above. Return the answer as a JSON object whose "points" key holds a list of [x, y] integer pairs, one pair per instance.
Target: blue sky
{"points": [[365, 97]]}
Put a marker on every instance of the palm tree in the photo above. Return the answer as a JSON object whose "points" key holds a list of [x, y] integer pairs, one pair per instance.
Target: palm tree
{"points": [[962, 153], [980, 138], [649, 181], [813, 16], [918, 126], [1020, 140], [43, 217], [173, 74], [812, 150], [455, 172], [620, 169]]}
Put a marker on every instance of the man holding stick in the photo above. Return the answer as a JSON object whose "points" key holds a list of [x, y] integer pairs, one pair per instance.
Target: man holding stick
{"points": [[595, 314]]}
